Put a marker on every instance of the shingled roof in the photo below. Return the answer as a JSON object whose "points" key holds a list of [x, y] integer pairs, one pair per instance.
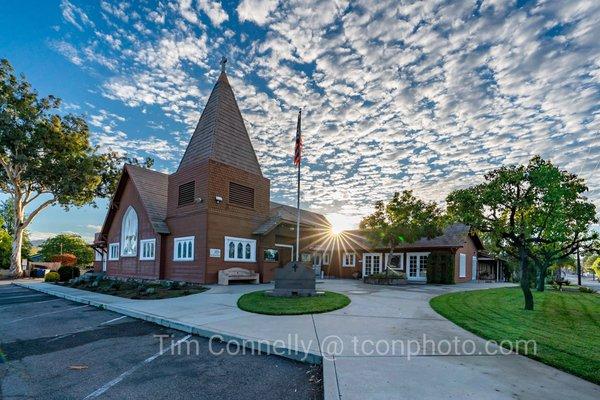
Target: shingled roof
{"points": [[283, 213], [454, 236], [152, 186], [221, 134]]}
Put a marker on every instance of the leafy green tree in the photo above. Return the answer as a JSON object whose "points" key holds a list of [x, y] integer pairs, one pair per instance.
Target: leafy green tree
{"points": [[596, 267], [67, 243], [403, 219], [5, 249], [564, 217], [45, 158], [7, 223], [590, 259], [523, 207]]}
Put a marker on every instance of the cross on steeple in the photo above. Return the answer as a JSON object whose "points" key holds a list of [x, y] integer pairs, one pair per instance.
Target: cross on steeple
{"points": [[223, 62]]}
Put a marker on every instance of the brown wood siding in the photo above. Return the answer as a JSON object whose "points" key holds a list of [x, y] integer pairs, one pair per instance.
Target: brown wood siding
{"points": [[191, 224], [470, 250], [132, 266], [226, 219]]}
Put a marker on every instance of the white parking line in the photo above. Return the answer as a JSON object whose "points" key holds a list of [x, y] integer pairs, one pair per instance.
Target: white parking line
{"points": [[22, 296], [130, 371], [35, 302], [113, 320], [41, 315]]}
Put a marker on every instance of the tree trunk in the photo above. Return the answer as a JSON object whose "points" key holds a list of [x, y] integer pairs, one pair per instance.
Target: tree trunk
{"points": [[578, 268], [525, 280], [17, 243], [389, 260], [541, 283], [15, 258]]}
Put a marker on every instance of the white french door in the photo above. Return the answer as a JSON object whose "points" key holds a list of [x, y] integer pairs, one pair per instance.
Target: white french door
{"points": [[417, 266], [474, 268], [371, 263]]}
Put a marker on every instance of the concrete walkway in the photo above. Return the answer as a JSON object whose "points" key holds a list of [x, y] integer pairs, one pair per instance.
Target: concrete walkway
{"points": [[388, 343]]}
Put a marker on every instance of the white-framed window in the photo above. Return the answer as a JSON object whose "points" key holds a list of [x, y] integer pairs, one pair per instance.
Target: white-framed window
{"points": [[147, 249], [326, 258], [183, 248], [349, 260], [113, 251], [462, 270], [240, 249], [129, 233]]}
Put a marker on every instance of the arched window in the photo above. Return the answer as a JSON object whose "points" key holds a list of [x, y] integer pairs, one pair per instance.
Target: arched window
{"points": [[248, 251], [129, 233], [231, 250], [240, 251]]}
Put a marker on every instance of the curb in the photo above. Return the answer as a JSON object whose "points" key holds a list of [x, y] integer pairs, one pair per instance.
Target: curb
{"points": [[263, 346]]}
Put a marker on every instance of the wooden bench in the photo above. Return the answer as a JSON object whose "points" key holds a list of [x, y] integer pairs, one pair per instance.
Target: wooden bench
{"points": [[237, 274]]}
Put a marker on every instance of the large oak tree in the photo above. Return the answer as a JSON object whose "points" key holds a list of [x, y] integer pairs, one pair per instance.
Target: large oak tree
{"points": [[403, 219], [534, 212], [45, 158]]}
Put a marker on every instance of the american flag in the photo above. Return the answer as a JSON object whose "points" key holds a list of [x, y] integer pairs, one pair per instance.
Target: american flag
{"points": [[298, 149]]}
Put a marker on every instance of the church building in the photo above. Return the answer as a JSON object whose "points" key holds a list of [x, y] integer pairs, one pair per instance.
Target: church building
{"points": [[213, 213]]}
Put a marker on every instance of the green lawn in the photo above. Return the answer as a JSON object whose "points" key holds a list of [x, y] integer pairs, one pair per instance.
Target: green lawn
{"points": [[261, 303], [565, 325]]}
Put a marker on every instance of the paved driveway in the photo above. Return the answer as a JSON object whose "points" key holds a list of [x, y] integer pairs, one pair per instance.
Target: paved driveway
{"points": [[385, 344], [57, 349], [383, 316]]}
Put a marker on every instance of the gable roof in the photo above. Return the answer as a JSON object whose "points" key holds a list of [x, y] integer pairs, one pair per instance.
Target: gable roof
{"points": [[453, 236], [283, 213], [221, 134], [152, 187]]}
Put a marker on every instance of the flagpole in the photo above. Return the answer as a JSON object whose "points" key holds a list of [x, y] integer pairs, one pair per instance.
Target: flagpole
{"points": [[298, 203]]}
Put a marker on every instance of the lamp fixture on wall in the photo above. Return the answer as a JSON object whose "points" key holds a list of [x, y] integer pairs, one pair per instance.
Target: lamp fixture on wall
{"points": [[218, 199]]}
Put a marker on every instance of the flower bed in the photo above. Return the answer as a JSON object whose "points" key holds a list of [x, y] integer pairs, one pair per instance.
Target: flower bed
{"points": [[136, 289], [394, 279]]}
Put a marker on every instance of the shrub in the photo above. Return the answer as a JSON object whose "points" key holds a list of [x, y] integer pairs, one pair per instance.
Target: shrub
{"points": [[52, 277], [585, 289], [66, 272], [440, 267], [390, 275], [65, 259]]}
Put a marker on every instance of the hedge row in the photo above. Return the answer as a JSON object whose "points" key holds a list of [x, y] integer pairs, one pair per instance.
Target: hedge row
{"points": [[440, 267]]}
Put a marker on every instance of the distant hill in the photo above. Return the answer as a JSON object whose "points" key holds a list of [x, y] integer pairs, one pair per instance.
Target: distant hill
{"points": [[37, 242]]}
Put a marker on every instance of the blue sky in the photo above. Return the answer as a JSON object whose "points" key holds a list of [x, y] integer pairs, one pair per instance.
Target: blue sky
{"points": [[425, 96]]}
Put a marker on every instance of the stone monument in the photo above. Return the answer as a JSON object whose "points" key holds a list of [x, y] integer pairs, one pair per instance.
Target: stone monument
{"points": [[294, 279]]}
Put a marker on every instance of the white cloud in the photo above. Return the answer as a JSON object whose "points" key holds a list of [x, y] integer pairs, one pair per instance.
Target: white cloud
{"points": [[214, 11], [425, 96], [68, 51], [256, 11], [74, 15]]}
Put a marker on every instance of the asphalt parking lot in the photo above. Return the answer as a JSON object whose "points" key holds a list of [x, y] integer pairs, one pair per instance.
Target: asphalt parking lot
{"points": [[52, 348]]}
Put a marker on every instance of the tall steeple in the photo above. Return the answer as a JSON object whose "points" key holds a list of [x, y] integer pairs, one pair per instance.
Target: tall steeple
{"points": [[221, 134]]}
